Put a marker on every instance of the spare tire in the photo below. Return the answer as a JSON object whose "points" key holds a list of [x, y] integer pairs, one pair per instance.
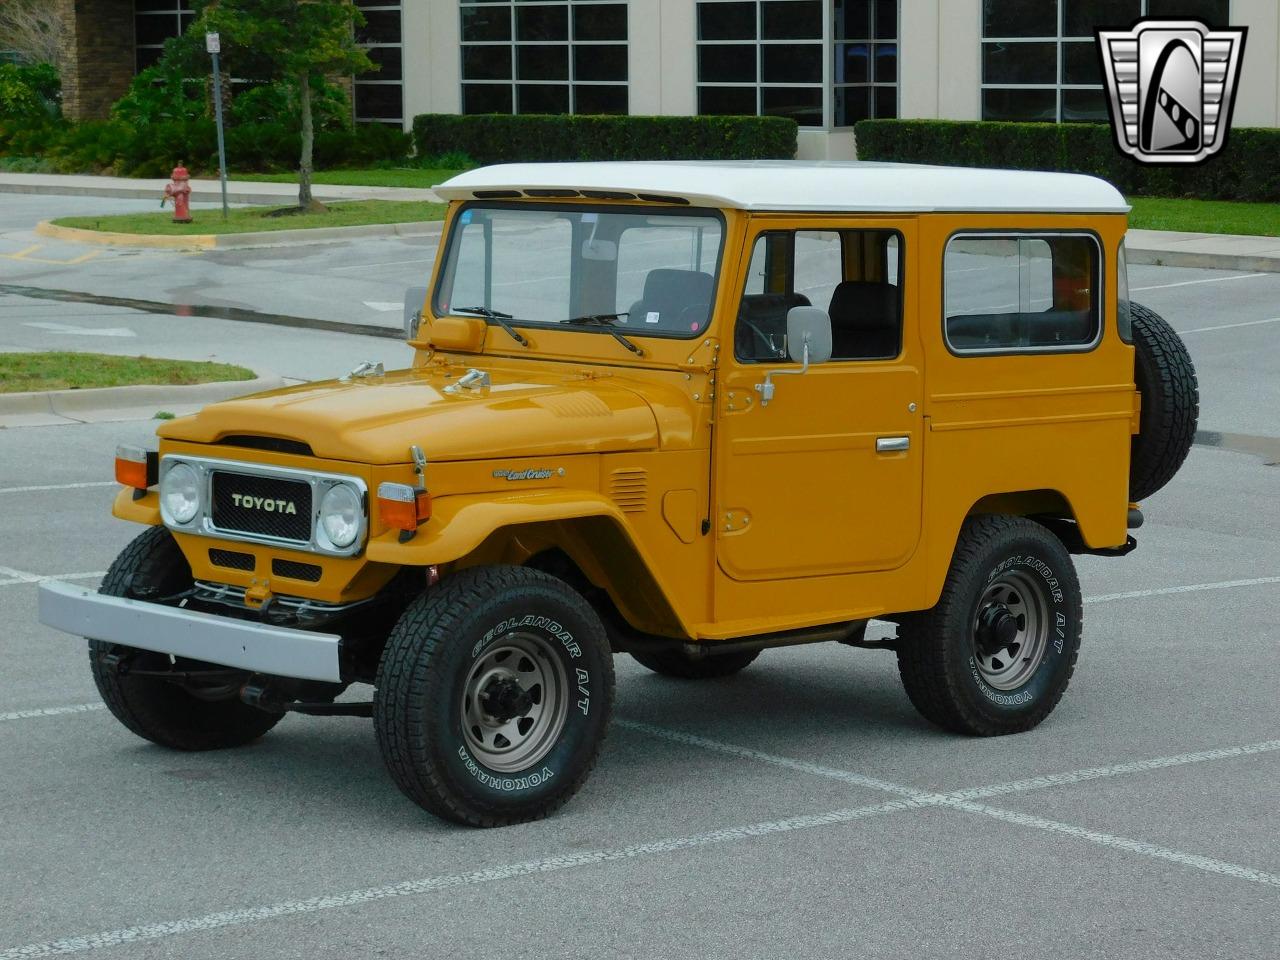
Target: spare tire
{"points": [[1166, 379]]}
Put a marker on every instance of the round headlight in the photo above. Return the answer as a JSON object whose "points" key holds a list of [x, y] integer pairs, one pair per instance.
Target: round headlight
{"points": [[180, 492], [340, 513]]}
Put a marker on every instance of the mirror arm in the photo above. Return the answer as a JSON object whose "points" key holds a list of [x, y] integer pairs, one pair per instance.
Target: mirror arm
{"points": [[767, 388]]}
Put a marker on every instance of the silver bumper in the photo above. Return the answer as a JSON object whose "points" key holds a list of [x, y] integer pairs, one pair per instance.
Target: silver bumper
{"points": [[280, 651]]}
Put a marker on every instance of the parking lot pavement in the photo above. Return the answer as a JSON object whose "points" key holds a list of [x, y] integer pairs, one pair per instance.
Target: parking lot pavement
{"points": [[801, 808]]}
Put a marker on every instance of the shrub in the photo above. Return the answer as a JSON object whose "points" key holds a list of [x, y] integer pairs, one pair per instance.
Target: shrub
{"points": [[32, 92], [1247, 169], [489, 138]]}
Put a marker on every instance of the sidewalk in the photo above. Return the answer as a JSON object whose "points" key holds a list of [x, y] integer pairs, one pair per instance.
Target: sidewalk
{"points": [[205, 191]]}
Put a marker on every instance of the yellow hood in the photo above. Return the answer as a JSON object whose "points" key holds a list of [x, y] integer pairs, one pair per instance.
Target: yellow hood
{"points": [[375, 419]]}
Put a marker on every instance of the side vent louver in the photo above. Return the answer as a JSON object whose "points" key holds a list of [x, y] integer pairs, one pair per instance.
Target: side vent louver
{"points": [[629, 489]]}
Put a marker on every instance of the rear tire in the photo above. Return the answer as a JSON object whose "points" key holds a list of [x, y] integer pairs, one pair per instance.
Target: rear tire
{"points": [[494, 694], [673, 663], [149, 568], [1166, 379], [996, 653]]}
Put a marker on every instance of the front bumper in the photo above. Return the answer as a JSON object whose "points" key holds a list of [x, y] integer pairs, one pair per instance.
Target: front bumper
{"points": [[279, 651]]}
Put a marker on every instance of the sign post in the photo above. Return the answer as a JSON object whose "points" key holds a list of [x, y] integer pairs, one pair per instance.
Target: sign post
{"points": [[213, 44]]}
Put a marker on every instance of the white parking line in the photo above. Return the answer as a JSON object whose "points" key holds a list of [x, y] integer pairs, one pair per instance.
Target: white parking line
{"points": [[12, 576], [52, 711], [1189, 588], [1207, 864], [1114, 770], [1230, 326], [409, 888], [959, 800], [1192, 283], [59, 486]]}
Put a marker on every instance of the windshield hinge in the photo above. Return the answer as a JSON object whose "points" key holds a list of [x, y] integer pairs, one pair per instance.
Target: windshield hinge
{"points": [[473, 379], [703, 355]]}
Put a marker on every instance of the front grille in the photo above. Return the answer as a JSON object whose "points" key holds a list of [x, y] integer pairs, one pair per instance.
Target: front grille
{"points": [[231, 559], [262, 506], [296, 570]]}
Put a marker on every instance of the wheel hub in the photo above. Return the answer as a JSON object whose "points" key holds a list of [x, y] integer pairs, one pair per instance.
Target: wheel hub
{"points": [[504, 699], [997, 628]]}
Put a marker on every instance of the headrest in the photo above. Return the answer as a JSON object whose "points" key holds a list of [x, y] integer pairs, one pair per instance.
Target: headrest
{"points": [[864, 303], [686, 287]]}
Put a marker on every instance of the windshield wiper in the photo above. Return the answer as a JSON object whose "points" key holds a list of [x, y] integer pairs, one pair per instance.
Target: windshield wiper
{"points": [[498, 317], [608, 320]]}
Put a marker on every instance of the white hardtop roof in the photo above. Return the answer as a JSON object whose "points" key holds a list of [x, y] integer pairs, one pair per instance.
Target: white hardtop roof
{"points": [[849, 186]]}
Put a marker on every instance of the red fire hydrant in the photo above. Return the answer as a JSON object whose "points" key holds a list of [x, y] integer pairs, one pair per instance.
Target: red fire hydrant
{"points": [[179, 191]]}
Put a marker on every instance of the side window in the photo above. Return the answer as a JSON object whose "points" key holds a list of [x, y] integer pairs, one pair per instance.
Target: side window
{"points": [[1013, 294], [855, 275]]}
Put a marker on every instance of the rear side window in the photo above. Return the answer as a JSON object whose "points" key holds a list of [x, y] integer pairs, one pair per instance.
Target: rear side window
{"points": [[1021, 294]]}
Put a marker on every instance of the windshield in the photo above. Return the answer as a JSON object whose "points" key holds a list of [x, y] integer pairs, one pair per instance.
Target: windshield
{"points": [[633, 272]]}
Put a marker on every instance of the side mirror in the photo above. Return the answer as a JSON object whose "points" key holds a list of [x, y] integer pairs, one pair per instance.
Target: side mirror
{"points": [[808, 335], [808, 342], [414, 298]]}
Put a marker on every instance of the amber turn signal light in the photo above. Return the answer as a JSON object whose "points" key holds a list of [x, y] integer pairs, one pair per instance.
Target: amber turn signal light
{"points": [[402, 506], [136, 467]]}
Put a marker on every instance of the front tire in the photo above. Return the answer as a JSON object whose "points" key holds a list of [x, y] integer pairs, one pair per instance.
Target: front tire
{"points": [[150, 568], [494, 693], [996, 653]]}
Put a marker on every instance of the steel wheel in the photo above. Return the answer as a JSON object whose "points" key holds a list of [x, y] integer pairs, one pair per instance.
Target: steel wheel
{"points": [[1011, 630], [515, 703]]}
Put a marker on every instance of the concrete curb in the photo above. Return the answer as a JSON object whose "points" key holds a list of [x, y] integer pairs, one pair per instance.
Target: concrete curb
{"points": [[239, 241], [139, 402], [1152, 256]]}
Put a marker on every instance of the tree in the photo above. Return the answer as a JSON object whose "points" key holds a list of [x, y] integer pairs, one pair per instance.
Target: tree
{"points": [[32, 28], [296, 41]]}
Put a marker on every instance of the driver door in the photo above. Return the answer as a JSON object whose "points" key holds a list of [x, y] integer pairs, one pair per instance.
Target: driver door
{"points": [[825, 479]]}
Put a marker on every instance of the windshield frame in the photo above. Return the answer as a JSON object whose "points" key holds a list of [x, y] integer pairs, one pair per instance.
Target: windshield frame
{"points": [[629, 209]]}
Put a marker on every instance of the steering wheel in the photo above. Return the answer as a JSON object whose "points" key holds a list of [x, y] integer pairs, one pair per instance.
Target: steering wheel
{"points": [[771, 348]]}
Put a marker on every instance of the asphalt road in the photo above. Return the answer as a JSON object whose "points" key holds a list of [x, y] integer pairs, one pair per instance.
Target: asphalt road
{"points": [[801, 809]]}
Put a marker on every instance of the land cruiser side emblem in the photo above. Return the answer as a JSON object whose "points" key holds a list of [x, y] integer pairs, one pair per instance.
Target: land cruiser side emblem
{"points": [[533, 473], [246, 502], [1171, 88]]}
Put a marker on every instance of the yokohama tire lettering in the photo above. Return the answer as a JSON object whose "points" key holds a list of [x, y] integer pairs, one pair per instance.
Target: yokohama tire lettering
{"points": [[505, 784]]}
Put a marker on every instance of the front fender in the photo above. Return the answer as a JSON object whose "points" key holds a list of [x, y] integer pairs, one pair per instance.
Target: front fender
{"points": [[145, 509], [459, 524]]}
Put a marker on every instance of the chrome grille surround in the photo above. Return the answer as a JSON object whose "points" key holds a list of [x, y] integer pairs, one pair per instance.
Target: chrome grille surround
{"points": [[202, 523]]}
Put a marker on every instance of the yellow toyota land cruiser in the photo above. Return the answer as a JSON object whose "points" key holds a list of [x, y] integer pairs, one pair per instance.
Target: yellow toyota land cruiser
{"points": [[685, 411]]}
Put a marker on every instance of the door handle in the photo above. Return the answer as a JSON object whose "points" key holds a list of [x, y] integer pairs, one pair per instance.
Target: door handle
{"points": [[892, 444]]}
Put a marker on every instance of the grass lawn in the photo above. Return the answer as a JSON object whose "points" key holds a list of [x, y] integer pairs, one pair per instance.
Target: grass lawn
{"points": [[1205, 216], [253, 219], [398, 177], [20, 372]]}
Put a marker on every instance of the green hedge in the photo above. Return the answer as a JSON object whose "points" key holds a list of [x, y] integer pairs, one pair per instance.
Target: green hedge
{"points": [[1247, 169], [152, 149], [497, 137]]}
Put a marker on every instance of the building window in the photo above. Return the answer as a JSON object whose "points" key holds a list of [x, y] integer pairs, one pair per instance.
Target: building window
{"points": [[821, 62], [379, 96], [865, 61], [549, 57], [761, 57], [1040, 59], [154, 22]]}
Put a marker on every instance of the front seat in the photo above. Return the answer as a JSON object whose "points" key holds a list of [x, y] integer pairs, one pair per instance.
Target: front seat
{"points": [[865, 321], [674, 301]]}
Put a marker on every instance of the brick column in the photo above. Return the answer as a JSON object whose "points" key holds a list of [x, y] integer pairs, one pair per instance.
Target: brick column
{"points": [[98, 55]]}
